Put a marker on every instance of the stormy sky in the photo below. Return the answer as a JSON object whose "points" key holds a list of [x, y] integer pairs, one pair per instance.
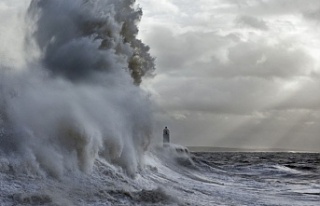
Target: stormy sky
{"points": [[235, 73]]}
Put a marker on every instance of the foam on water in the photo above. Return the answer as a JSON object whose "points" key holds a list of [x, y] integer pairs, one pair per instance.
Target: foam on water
{"points": [[164, 181], [75, 127]]}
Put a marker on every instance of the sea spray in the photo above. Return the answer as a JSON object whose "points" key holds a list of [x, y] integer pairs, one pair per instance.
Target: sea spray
{"points": [[75, 94]]}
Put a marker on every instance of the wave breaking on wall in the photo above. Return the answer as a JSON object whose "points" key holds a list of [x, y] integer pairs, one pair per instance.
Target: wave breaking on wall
{"points": [[69, 89]]}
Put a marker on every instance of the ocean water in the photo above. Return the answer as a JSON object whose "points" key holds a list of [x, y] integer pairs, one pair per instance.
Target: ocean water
{"points": [[76, 128], [172, 176]]}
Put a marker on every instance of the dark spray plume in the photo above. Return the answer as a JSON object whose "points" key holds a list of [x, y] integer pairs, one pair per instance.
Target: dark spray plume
{"points": [[64, 29], [76, 97]]}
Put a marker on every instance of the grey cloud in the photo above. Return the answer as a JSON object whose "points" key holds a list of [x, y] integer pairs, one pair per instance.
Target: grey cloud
{"points": [[254, 59], [237, 86], [194, 50], [252, 22], [313, 14], [216, 95], [304, 96], [237, 96], [178, 51], [250, 80], [273, 7]]}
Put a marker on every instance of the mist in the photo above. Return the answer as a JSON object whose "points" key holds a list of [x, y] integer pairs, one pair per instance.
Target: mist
{"points": [[70, 86]]}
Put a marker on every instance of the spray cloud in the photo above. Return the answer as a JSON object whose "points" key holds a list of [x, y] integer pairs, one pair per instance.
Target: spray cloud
{"points": [[75, 95]]}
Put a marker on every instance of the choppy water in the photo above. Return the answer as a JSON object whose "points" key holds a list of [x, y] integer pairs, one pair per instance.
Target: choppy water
{"points": [[75, 126], [170, 176]]}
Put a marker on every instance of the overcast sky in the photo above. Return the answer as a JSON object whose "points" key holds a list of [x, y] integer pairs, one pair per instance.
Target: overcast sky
{"points": [[235, 73]]}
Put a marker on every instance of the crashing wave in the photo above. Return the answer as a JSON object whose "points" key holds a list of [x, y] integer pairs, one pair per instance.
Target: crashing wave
{"points": [[76, 96]]}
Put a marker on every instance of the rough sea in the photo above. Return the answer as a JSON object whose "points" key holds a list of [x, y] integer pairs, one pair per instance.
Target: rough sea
{"points": [[76, 128], [172, 176]]}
